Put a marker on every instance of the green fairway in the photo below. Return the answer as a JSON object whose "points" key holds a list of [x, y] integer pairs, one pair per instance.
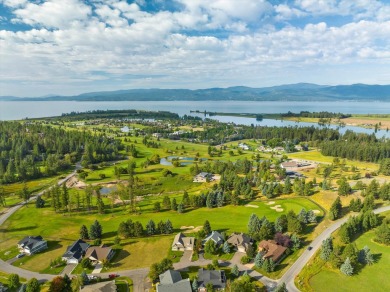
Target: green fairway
{"points": [[60, 230]]}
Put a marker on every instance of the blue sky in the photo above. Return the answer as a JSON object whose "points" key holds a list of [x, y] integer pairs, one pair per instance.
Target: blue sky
{"points": [[72, 46]]}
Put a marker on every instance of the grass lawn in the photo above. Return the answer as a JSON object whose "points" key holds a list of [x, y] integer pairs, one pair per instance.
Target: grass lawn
{"points": [[220, 256], [319, 277], [61, 230], [315, 155], [79, 269]]}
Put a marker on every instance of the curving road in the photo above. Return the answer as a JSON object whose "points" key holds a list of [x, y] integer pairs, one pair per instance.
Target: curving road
{"points": [[139, 275]]}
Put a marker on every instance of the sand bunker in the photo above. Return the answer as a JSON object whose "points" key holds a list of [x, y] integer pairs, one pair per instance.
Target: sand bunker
{"points": [[187, 227], [316, 211], [277, 208], [271, 203], [251, 206]]}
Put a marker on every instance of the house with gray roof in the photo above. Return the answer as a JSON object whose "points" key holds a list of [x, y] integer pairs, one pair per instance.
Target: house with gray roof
{"points": [[214, 236], [182, 242], [75, 252], [32, 244], [240, 241], [171, 281], [215, 277]]}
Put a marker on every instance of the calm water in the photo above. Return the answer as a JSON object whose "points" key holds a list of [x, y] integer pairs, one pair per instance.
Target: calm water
{"points": [[12, 110]]}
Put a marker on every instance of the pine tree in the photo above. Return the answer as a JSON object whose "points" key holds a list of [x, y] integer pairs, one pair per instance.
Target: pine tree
{"points": [[235, 271], [265, 266], [207, 227], [39, 203], [195, 285], [174, 205], [180, 208], [166, 203], [346, 268], [326, 249], [302, 216], [226, 247], [150, 227], [271, 265], [95, 231], [84, 232], [168, 227], [311, 217], [296, 241], [254, 225], [259, 260], [335, 209]]}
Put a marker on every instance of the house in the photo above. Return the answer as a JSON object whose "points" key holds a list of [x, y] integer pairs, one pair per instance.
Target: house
{"points": [[75, 252], [243, 146], [240, 241], [32, 244], [171, 281], [98, 254], [215, 277], [270, 249], [290, 165], [204, 177], [182, 242], [100, 287], [157, 135], [214, 236]]}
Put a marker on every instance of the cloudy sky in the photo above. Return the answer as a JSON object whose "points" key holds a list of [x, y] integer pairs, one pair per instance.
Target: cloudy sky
{"points": [[74, 46]]}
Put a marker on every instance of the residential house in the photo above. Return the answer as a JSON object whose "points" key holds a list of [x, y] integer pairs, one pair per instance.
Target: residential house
{"points": [[97, 254], [290, 165], [32, 244], [171, 281], [271, 250], [182, 242], [203, 177], [75, 252], [240, 241], [215, 277], [214, 236], [243, 146], [100, 287]]}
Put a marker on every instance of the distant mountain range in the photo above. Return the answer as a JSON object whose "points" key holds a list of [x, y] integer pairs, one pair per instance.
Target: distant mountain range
{"points": [[291, 92]]}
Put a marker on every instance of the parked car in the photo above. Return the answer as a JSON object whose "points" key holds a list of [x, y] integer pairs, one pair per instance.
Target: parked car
{"points": [[113, 276], [20, 255], [309, 248]]}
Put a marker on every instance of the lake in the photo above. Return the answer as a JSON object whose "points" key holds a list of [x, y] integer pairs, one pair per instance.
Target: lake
{"points": [[13, 110]]}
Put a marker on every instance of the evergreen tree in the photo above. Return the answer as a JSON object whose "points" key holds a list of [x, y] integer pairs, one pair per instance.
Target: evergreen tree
{"points": [[13, 281], [33, 285], [84, 232], [346, 268], [296, 241], [39, 203], [180, 208], [166, 203], [150, 227], [207, 227], [195, 285], [326, 249], [302, 216], [266, 266], [311, 217], [235, 271], [335, 209], [168, 227], [259, 260], [174, 205], [254, 225], [95, 231], [226, 247]]}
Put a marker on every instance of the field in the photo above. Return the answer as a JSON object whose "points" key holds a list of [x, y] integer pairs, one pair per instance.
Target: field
{"points": [[61, 230], [369, 278]]}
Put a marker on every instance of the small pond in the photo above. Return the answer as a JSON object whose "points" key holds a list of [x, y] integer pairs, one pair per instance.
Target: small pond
{"points": [[107, 190], [183, 160]]}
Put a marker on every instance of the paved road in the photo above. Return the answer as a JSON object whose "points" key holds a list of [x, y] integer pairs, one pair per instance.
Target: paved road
{"points": [[296, 268]]}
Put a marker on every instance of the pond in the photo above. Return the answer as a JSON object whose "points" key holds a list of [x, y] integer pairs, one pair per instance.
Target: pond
{"points": [[107, 190], [183, 160]]}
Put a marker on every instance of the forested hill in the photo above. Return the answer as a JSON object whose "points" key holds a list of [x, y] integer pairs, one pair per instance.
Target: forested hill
{"points": [[293, 92]]}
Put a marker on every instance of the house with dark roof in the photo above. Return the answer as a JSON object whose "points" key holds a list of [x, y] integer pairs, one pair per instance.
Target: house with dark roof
{"points": [[271, 250], [97, 254], [171, 281], [240, 241], [182, 242], [75, 252], [32, 244], [216, 277], [214, 236]]}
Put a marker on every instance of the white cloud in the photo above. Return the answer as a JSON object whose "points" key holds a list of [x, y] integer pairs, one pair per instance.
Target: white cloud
{"points": [[53, 13]]}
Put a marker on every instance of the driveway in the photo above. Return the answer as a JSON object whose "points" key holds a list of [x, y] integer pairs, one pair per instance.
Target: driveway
{"points": [[98, 268], [68, 269]]}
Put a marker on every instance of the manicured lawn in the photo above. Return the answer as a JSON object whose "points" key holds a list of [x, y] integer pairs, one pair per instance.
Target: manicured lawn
{"points": [[317, 156], [61, 230], [370, 278], [79, 269]]}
